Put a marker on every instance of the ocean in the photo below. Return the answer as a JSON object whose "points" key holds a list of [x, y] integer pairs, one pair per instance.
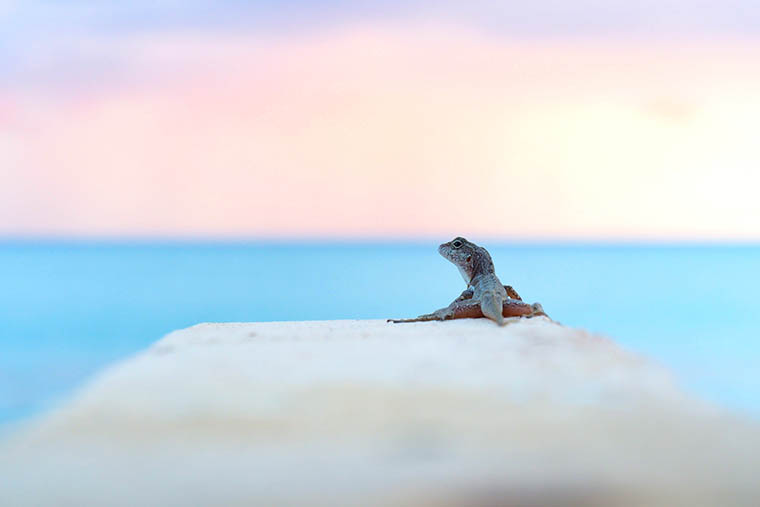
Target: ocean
{"points": [[68, 309]]}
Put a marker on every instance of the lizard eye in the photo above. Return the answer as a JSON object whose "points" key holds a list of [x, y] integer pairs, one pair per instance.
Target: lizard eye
{"points": [[457, 244]]}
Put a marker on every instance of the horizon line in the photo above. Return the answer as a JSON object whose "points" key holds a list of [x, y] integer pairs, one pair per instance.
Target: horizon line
{"points": [[200, 240]]}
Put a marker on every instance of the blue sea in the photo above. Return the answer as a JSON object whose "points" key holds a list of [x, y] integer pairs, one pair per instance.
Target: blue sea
{"points": [[67, 309]]}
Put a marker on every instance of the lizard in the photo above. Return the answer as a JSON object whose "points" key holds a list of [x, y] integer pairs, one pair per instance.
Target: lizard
{"points": [[485, 295]]}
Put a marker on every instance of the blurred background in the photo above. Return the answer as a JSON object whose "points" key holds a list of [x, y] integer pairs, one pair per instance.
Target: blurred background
{"points": [[165, 163]]}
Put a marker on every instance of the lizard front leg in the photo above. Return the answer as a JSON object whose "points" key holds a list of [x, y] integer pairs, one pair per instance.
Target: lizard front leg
{"points": [[466, 294]]}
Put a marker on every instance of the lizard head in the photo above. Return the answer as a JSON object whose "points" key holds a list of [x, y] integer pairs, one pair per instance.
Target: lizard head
{"points": [[468, 257]]}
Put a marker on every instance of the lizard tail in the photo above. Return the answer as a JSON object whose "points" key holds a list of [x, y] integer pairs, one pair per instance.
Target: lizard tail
{"points": [[492, 306]]}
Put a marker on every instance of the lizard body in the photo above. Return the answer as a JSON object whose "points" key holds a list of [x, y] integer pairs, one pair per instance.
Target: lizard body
{"points": [[485, 295]]}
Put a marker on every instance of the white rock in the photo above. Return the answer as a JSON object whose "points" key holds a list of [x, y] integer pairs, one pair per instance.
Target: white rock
{"points": [[366, 412]]}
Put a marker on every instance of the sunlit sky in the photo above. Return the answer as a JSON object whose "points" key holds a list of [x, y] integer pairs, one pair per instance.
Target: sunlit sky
{"points": [[545, 119]]}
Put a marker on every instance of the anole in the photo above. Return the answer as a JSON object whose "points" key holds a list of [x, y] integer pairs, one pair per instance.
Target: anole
{"points": [[485, 296]]}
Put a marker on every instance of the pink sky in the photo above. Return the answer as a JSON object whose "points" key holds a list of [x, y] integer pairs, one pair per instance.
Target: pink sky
{"points": [[379, 130]]}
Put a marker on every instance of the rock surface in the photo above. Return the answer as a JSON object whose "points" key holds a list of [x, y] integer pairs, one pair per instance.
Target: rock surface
{"points": [[366, 412]]}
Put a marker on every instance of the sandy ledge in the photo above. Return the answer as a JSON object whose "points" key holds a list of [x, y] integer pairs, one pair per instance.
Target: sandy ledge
{"points": [[366, 412]]}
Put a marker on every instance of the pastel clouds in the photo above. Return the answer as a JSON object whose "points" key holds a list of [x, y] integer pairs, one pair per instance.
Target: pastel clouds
{"points": [[386, 131]]}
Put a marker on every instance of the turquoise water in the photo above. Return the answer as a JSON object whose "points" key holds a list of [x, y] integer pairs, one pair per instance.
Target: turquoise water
{"points": [[67, 310]]}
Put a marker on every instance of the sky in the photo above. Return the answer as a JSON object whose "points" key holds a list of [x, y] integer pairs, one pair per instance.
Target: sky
{"points": [[290, 119]]}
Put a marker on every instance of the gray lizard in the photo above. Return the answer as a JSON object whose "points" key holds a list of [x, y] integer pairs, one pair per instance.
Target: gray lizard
{"points": [[485, 296]]}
